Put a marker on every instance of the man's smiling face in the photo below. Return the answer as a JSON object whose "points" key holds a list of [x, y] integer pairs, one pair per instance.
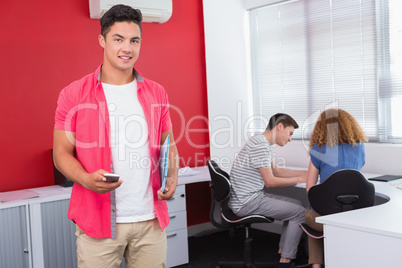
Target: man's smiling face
{"points": [[121, 45]]}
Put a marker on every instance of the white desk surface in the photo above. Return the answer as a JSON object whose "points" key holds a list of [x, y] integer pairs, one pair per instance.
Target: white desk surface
{"points": [[384, 219], [57, 192], [46, 193], [204, 176]]}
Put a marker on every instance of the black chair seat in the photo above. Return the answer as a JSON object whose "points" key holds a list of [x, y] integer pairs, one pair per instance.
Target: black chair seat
{"points": [[230, 217]]}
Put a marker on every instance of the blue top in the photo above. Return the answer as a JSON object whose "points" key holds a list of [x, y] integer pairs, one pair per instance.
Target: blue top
{"points": [[330, 159]]}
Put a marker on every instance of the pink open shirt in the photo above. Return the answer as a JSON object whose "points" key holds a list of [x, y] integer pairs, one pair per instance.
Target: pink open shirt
{"points": [[82, 109]]}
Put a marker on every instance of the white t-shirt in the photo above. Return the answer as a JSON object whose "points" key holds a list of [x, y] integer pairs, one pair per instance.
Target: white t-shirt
{"points": [[130, 153]]}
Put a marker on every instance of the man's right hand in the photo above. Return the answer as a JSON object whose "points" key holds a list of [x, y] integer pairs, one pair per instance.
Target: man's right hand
{"points": [[65, 161], [96, 182]]}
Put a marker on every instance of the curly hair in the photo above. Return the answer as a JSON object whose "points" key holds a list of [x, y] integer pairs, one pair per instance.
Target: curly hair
{"points": [[119, 13], [336, 126]]}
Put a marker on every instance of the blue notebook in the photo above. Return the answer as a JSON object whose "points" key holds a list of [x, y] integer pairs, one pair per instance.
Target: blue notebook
{"points": [[163, 162]]}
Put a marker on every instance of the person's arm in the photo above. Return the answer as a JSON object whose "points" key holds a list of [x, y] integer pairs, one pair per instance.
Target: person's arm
{"points": [[312, 176], [173, 168], [69, 166], [273, 181], [286, 173]]}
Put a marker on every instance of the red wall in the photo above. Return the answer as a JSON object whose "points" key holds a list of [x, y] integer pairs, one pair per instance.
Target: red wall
{"points": [[47, 44]]}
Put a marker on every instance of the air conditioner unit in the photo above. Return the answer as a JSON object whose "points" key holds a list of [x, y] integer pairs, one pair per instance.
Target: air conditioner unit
{"points": [[152, 10]]}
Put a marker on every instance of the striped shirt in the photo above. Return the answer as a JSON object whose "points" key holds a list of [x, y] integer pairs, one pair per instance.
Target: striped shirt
{"points": [[245, 176]]}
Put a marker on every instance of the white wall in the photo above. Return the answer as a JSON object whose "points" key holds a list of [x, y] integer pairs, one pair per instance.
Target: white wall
{"points": [[229, 87], [225, 23]]}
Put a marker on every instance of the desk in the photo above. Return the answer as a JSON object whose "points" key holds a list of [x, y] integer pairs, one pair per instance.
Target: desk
{"points": [[35, 233], [177, 231], [369, 237], [203, 176]]}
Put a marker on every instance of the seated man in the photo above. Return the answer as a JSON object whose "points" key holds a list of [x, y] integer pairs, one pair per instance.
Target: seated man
{"points": [[253, 169]]}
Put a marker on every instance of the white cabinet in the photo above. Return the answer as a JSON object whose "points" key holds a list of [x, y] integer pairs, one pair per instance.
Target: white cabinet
{"points": [[52, 234], [14, 235], [177, 253], [36, 233]]}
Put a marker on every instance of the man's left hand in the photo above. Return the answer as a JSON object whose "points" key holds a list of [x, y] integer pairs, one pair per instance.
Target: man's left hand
{"points": [[170, 189]]}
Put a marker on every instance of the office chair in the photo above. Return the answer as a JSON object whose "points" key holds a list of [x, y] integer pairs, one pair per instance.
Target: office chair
{"points": [[220, 191], [343, 190]]}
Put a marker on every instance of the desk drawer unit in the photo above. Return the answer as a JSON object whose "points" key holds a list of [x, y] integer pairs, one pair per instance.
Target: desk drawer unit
{"points": [[178, 202], [178, 220], [177, 253]]}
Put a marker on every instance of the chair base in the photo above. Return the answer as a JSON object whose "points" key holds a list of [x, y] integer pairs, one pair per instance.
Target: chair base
{"points": [[247, 262]]}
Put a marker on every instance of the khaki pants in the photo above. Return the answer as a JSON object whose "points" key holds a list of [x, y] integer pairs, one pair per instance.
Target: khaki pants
{"points": [[315, 246], [143, 244]]}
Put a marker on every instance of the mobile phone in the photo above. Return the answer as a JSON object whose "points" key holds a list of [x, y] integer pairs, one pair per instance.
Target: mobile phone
{"points": [[111, 177]]}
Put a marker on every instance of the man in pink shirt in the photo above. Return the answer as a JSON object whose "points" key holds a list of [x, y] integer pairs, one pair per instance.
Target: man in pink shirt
{"points": [[114, 121]]}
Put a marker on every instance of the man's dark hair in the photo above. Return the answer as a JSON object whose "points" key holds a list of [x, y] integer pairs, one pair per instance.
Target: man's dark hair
{"points": [[285, 119], [120, 13]]}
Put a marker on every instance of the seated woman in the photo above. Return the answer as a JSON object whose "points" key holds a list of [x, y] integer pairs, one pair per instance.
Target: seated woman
{"points": [[336, 143]]}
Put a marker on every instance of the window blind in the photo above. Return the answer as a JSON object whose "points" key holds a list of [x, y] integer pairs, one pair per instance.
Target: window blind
{"points": [[390, 70], [310, 55]]}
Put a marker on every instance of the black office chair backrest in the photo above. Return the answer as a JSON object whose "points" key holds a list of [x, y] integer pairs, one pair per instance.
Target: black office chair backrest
{"points": [[220, 181], [220, 192], [343, 190]]}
